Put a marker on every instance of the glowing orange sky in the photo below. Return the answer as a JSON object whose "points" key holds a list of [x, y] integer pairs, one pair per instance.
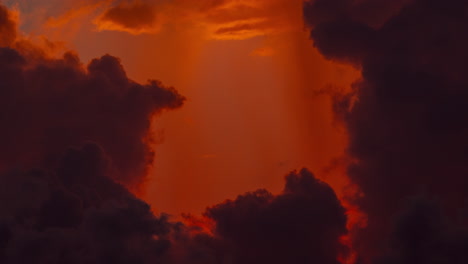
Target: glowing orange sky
{"points": [[254, 111]]}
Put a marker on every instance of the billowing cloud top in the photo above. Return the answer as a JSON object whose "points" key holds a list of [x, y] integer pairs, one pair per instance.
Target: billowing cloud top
{"points": [[134, 18], [301, 225], [50, 104]]}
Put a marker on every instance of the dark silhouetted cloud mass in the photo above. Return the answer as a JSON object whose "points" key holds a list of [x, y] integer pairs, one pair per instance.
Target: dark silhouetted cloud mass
{"points": [[301, 225], [47, 105], [407, 117]]}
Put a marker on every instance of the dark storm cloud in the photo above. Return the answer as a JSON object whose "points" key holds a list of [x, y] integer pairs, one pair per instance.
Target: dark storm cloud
{"points": [[69, 135], [301, 225], [77, 214], [55, 217], [423, 234], [408, 127], [47, 105]]}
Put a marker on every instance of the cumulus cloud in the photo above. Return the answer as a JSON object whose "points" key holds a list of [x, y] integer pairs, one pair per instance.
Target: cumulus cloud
{"points": [[49, 104], [77, 214], [61, 197], [303, 224], [61, 194], [407, 117], [423, 234]]}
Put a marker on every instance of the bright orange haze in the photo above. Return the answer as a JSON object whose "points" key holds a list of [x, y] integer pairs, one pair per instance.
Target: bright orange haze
{"points": [[254, 82]]}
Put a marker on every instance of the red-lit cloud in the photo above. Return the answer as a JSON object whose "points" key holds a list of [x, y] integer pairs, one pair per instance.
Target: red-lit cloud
{"points": [[230, 19], [244, 19], [134, 18]]}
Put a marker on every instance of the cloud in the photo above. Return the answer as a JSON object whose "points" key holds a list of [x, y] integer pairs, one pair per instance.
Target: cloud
{"points": [[49, 104], [75, 12], [303, 224], [72, 137], [406, 119], [228, 19], [77, 214], [243, 30], [134, 18], [423, 234]]}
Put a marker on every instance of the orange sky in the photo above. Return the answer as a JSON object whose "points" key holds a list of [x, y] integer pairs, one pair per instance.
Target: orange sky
{"points": [[252, 79]]}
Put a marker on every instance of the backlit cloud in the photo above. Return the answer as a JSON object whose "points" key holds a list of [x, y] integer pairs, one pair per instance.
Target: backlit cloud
{"points": [[134, 18], [406, 117]]}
